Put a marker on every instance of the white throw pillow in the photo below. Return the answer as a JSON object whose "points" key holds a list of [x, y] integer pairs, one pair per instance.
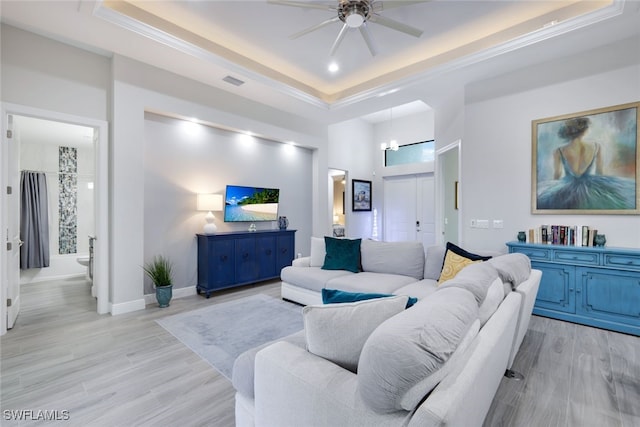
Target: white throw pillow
{"points": [[318, 252], [337, 332]]}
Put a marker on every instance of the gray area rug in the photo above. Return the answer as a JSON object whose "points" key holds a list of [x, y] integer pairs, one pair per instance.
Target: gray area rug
{"points": [[222, 332]]}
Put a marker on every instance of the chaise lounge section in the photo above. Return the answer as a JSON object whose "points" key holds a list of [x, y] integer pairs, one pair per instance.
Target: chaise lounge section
{"points": [[458, 340]]}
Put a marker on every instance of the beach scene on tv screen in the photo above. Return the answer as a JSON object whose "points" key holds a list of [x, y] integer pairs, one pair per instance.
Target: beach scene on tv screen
{"points": [[251, 204]]}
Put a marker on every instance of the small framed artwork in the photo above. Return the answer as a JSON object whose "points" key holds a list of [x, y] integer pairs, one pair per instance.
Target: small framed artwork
{"points": [[361, 191], [587, 162]]}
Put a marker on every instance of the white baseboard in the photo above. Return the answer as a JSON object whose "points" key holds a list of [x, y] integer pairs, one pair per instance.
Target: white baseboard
{"points": [[127, 307], [176, 293]]}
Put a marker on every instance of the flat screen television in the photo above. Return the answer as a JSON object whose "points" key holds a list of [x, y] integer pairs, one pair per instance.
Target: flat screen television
{"points": [[250, 204]]}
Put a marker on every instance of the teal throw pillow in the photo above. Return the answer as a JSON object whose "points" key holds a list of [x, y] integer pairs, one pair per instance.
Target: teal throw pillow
{"points": [[333, 296], [342, 254]]}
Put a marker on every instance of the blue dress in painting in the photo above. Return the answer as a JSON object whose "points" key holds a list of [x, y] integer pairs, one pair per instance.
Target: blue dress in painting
{"points": [[587, 191]]}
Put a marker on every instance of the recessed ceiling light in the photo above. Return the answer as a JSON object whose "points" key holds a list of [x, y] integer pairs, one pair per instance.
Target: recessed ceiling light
{"points": [[334, 67]]}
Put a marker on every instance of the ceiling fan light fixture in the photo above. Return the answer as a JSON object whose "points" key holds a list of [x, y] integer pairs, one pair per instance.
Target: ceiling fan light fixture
{"points": [[354, 19]]}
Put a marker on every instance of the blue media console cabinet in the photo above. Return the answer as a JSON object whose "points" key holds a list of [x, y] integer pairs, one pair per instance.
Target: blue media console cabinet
{"points": [[595, 286], [227, 260]]}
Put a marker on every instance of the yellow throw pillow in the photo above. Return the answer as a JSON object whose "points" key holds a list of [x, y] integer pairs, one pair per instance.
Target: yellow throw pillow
{"points": [[453, 263]]}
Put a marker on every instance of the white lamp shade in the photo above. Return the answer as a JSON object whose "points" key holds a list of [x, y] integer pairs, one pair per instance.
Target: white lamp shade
{"points": [[209, 202]]}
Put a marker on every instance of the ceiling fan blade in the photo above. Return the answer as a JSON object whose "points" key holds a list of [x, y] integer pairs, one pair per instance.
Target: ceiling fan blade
{"points": [[302, 4], [385, 5], [341, 35], [366, 35], [395, 25], [315, 27]]}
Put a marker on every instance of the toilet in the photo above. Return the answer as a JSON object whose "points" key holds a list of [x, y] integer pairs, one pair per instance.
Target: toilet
{"points": [[86, 261]]}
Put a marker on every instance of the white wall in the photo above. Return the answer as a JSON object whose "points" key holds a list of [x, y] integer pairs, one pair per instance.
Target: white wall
{"points": [[42, 73], [351, 148], [496, 163], [43, 157], [183, 159], [138, 88]]}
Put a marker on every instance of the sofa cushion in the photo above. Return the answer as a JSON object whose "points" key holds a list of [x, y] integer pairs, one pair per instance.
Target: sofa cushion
{"points": [[317, 252], [434, 261], [337, 332], [456, 259], [475, 278], [402, 354], [312, 278], [244, 365], [370, 282], [495, 295], [420, 289], [342, 254], [335, 296], [512, 268], [405, 258]]}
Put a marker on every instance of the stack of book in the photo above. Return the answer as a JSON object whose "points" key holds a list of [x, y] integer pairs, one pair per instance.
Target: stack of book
{"points": [[569, 235]]}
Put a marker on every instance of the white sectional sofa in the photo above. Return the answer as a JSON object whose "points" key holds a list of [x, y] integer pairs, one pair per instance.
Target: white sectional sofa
{"points": [[437, 363]]}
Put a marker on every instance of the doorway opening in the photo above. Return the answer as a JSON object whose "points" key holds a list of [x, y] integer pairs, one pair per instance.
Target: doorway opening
{"points": [[69, 157], [337, 195], [449, 194]]}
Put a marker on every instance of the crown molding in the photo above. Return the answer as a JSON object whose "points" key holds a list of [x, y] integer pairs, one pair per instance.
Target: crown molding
{"points": [[104, 12]]}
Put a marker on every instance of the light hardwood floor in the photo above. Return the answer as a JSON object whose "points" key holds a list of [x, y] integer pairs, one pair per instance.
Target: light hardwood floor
{"points": [[128, 371]]}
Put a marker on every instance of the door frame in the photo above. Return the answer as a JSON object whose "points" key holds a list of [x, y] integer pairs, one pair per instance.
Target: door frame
{"points": [[101, 245], [440, 190]]}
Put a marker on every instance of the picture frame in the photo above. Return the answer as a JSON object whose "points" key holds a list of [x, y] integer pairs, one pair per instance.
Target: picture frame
{"points": [[587, 162], [361, 195]]}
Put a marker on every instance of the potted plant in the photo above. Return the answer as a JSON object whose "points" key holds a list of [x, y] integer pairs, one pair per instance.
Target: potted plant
{"points": [[159, 271]]}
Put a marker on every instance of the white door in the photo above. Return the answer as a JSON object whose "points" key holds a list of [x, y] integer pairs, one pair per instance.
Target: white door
{"points": [[12, 142], [399, 216], [409, 213], [426, 213]]}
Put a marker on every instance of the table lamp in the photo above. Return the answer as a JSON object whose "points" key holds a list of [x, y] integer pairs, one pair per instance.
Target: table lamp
{"points": [[210, 203]]}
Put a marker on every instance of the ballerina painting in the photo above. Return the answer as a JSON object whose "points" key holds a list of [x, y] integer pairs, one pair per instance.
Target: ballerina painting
{"points": [[587, 163]]}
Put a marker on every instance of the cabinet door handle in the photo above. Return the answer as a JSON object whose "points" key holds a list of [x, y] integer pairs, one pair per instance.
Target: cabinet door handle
{"points": [[245, 255], [570, 289], [283, 250], [223, 257], [578, 290], [268, 251]]}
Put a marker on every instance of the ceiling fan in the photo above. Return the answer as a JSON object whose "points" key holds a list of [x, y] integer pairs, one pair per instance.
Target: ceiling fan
{"points": [[355, 14]]}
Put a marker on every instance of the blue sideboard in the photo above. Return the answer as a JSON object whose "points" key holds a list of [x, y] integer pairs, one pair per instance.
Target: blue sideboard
{"points": [[595, 286], [227, 260]]}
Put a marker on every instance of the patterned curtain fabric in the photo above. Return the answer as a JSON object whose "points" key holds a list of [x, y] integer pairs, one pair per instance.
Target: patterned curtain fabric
{"points": [[34, 220]]}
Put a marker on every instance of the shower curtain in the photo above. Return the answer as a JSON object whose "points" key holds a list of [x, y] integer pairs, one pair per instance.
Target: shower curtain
{"points": [[34, 220]]}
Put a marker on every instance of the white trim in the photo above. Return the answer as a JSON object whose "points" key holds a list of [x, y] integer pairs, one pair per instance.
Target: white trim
{"points": [[174, 42], [127, 307], [175, 293], [616, 8], [440, 191]]}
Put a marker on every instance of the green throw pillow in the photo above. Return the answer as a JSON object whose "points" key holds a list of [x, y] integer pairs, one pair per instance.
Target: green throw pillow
{"points": [[342, 254]]}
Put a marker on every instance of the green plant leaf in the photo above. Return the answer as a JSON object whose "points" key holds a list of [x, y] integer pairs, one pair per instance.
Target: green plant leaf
{"points": [[159, 271]]}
